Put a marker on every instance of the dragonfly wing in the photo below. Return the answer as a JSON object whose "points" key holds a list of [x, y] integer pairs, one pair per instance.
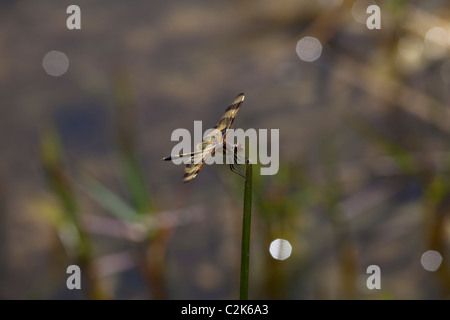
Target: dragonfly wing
{"points": [[198, 159], [227, 119], [212, 141]]}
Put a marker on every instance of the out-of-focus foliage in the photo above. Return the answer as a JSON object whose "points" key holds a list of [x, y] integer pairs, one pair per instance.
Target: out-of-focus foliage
{"points": [[364, 161]]}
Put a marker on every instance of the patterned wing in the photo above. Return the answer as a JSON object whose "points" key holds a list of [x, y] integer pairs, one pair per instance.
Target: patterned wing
{"points": [[203, 151], [226, 121], [210, 143]]}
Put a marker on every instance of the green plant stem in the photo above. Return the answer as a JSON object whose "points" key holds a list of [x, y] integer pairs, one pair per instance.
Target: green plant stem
{"points": [[246, 223]]}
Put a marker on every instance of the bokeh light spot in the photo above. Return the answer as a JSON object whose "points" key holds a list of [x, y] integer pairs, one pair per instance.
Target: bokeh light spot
{"points": [[431, 260], [309, 49], [280, 249], [55, 63], [436, 42], [410, 53]]}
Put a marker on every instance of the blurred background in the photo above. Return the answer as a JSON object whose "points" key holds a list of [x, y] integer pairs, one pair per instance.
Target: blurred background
{"points": [[87, 115]]}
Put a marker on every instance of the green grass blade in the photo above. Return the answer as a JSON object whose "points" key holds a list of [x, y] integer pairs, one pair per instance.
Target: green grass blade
{"points": [[127, 140], [246, 223], [109, 200]]}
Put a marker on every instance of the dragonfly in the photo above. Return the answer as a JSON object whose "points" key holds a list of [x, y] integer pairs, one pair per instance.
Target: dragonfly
{"points": [[210, 144]]}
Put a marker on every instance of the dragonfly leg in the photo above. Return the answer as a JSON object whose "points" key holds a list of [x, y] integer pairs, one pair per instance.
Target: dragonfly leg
{"points": [[232, 168]]}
